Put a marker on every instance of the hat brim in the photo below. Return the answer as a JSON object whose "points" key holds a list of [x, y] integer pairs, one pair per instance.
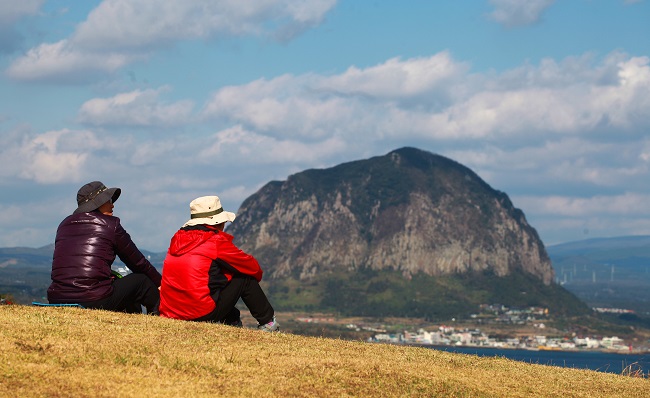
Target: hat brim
{"points": [[109, 194], [220, 218]]}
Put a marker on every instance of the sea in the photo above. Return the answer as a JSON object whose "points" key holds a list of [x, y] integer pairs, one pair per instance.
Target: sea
{"points": [[593, 360]]}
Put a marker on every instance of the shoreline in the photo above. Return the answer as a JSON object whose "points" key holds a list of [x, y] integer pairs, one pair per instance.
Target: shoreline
{"points": [[532, 349]]}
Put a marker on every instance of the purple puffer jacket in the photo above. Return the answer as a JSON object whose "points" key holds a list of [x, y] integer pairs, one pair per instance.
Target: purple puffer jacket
{"points": [[85, 248]]}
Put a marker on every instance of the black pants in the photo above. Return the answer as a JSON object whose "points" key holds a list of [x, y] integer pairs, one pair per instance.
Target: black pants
{"points": [[251, 293], [129, 293]]}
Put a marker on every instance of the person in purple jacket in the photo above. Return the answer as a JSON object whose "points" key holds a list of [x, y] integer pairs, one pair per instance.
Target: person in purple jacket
{"points": [[84, 250]]}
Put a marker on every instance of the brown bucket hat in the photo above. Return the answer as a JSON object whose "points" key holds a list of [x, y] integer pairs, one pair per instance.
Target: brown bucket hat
{"points": [[94, 194]]}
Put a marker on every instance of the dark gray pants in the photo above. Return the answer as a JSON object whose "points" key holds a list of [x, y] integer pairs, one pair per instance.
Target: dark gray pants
{"points": [[249, 290], [129, 293]]}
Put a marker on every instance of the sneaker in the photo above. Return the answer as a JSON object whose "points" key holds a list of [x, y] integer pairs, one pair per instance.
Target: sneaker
{"points": [[272, 326]]}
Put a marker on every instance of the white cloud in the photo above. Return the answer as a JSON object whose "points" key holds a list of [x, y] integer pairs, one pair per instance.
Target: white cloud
{"points": [[27, 220], [394, 98], [237, 143], [13, 10], [570, 218], [553, 129], [119, 32], [49, 158], [135, 108], [557, 98], [151, 152], [627, 204], [63, 62], [558, 117], [149, 23], [396, 78], [513, 13], [285, 106], [571, 97], [566, 164]]}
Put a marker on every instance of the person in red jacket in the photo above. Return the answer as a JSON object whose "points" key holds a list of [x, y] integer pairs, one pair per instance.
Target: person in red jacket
{"points": [[84, 250], [205, 274]]}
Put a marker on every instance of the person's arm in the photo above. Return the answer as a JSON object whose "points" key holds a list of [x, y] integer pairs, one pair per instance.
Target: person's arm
{"points": [[234, 259], [129, 253]]}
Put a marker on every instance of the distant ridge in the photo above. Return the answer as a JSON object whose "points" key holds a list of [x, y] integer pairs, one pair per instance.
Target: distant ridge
{"points": [[602, 244], [25, 272], [606, 272]]}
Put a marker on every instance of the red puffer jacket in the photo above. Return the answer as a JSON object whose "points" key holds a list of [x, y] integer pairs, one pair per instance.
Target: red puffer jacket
{"points": [[199, 263], [85, 248]]}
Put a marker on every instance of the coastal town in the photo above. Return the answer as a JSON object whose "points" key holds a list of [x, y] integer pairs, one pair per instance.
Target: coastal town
{"points": [[450, 336], [460, 335]]}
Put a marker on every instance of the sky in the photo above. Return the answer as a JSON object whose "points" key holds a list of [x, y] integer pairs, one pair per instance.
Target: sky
{"points": [[546, 100]]}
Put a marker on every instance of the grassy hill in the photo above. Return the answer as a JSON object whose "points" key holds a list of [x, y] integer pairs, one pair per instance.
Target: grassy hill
{"points": [[382, 293], [72, 352]]}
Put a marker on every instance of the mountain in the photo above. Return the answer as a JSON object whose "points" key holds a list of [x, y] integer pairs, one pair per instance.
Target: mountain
{"points": [[606, 272], [26, 255], [620, 249], [25, 272], [408, 233]]}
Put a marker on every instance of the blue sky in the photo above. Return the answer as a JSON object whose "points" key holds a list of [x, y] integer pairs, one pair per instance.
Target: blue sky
{"points": [[546, 100]]}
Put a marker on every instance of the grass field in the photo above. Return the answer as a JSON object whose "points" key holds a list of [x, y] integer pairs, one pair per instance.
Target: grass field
{"points": [[61, 352]]}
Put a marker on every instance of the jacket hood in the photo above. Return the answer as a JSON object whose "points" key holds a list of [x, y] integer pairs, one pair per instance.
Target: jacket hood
{"points": [[184, 240]]}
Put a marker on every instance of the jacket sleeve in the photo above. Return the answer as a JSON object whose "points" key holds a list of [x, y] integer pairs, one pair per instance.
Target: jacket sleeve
{"points": [[238, 260], [128, 252]]}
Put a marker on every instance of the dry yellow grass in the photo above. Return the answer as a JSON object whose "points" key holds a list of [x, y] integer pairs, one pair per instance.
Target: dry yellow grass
{"points": [[56, 352]]}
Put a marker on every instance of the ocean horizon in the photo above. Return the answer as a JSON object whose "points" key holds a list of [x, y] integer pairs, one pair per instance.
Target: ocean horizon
{"points": [[607, 362]]}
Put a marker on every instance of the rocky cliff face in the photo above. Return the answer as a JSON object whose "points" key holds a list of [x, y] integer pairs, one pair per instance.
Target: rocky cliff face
{"points": [[410, 211]]}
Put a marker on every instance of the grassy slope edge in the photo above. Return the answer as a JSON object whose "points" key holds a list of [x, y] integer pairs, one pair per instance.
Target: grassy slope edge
{"points": [[73, 352]]}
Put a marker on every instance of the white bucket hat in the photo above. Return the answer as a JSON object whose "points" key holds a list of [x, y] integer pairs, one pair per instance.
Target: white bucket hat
{"points": [[208, 210]]}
